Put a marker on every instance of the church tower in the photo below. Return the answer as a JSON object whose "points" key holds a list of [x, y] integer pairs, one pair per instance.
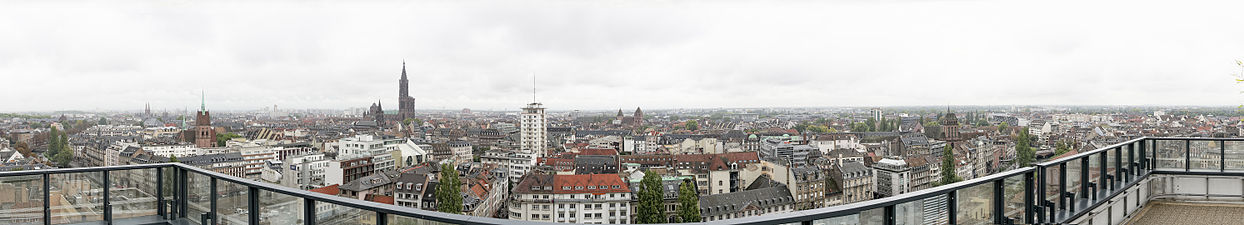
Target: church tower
{"points": [[204, 136], [405, 103], [639, 117], [950, 126]]}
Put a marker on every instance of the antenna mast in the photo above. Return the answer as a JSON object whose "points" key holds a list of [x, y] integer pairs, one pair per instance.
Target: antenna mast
{"points": [[533, 87]]}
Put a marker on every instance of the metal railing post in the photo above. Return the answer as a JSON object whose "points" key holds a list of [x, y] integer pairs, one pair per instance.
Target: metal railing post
{"points": [[1104, 184], [1140, 154], [107, 201], [47, 199], [1062, 185], [1222, 156], [1029, 192], [160, 191], [214, 194], [1187, 155], [182, 193], [999, 204], [888, 218], [1040, 202], [1086, 188], [308, 211], [952, 207], [252, 204], [383, 219]]}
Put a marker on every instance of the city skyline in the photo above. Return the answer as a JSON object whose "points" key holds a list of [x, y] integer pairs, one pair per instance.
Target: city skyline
{"points": [[588, 57]]}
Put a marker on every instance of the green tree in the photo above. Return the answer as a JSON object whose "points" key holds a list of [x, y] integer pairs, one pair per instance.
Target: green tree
{"points": [[448, 193], [871, 123], [1061, 148], [693, 125], [689, 202], [819, 129], [221, 139], [1024, 154], [651, 200], [1002, 127], [949, 174], [173, 158], [103, 121]]}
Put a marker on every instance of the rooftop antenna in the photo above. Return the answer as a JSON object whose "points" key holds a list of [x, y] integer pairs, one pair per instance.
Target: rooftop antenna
{"points": [[533, 87]]}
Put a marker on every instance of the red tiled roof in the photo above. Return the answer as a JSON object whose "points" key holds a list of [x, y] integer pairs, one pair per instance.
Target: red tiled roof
{"points": [[328, 190], [588, 183], [380, 199], [598, 152]]}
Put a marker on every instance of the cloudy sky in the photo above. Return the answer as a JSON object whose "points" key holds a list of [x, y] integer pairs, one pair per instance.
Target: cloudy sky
{"points": [[107, 55]]}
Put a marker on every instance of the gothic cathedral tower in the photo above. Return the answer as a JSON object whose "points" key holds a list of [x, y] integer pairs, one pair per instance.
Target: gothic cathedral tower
{"points": [[405, 103]]}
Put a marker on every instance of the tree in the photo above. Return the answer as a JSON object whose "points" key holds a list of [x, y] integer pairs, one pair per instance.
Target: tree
{"points": [[949, 174], [933, 130], [221, 139], [1002, 127], [173, 158], [1061, 148], [103, 121], [693, 125], [871, 123], [1024, 154], [689, 202], [448, 193], [651, 199], [24, 148]]}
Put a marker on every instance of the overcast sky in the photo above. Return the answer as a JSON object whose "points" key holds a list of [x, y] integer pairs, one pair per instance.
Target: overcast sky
{"points": [[107, 55]]}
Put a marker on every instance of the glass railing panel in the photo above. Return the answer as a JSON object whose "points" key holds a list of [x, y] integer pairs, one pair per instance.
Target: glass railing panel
{"points": [[170, 188], [912, 213], [133, 193], [402, 220], [1074, 170], [1051, 193], [874, 216], [1111, 168], [77, 197], [21, 200], [1013, 198], [198, 196], [333, 214], [1095, 175], [1204, 156], [841, 220], [231, 203], [276, 208], [1170, 154], [1235, 156], [974, 205]]}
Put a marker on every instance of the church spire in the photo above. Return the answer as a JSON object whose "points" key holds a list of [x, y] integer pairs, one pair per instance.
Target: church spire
{"points": [[403, 69], [202, 100]]}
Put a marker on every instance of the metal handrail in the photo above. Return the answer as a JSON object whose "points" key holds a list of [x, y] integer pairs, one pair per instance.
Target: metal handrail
{"points": [[1030, 175]]}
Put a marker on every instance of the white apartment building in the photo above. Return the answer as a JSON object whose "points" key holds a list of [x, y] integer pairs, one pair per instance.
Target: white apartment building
{"points": [[180, 151], [305, 171], [533, 135], [581, 199]]}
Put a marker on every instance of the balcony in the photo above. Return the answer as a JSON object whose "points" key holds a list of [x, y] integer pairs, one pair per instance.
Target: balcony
{"points": [[1144, 181]]}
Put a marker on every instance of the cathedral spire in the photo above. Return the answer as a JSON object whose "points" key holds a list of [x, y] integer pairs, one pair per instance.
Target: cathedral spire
{"points": [[202, 100], [403, 69]]}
